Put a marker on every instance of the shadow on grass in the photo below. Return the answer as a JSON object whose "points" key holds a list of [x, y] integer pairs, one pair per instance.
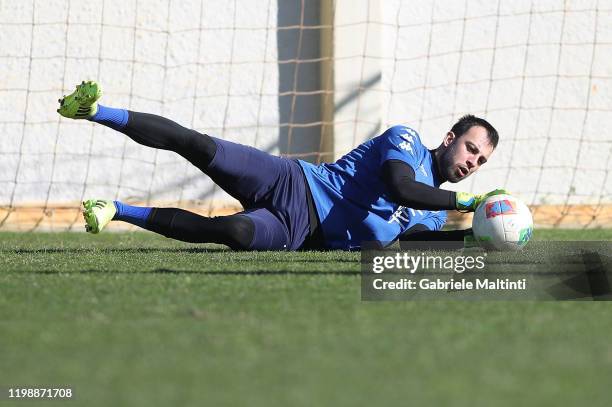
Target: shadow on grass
{"points": [[260, 272]]}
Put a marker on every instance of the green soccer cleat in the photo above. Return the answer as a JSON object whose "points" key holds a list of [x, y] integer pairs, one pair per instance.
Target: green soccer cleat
{"points": [[81, 104], [98, 214]]}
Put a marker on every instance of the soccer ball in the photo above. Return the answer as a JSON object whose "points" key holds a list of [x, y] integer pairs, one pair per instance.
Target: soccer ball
{"points": [[502, 222]]}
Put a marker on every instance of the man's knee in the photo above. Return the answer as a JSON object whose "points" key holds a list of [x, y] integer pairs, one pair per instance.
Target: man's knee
{"points": [[240, 231], [199, 148]]}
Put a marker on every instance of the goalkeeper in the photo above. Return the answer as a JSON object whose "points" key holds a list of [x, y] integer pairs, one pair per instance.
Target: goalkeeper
{"points": [[383, 190]]}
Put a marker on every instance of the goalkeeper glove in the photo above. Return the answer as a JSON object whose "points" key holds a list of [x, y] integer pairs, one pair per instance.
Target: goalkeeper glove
{"points": [[466, 202]]}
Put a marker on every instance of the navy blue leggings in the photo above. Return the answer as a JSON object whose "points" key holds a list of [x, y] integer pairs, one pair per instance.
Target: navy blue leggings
{"points": [[271, 189]]}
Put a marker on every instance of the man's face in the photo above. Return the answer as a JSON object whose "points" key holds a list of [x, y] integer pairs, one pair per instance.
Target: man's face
{"points": [[463, 156]]}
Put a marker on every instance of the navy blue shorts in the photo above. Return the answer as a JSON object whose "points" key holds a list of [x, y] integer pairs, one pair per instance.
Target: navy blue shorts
{"points": [[271, 189]]}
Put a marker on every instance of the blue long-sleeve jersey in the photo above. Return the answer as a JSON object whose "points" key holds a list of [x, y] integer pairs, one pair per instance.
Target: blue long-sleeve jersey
{"points": [[352, 200]]}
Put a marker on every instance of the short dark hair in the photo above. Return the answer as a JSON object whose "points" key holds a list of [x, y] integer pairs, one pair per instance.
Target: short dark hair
{"points": [[468, 121]]}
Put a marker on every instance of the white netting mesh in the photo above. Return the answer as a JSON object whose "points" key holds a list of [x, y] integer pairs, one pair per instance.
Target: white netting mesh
{"points": [[309, 79]]}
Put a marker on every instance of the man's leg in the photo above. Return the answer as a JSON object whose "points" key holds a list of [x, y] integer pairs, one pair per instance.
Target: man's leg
{"points": [[246, 173], [257, 229], [161, 133], [251, 176], [235, 231]]}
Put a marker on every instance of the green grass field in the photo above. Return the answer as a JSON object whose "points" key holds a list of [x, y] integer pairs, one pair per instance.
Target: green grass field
{"points": [[135, 319]]}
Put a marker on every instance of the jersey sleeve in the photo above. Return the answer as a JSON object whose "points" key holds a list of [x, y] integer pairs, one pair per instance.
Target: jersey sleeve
{"points": [[435, 220], [402, 143]]}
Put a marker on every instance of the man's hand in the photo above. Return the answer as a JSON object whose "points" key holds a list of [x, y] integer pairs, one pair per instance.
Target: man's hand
{"points": [[467, 202]]}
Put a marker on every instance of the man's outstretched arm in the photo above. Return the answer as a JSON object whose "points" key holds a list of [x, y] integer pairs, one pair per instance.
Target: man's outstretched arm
{"points": [[405, 190]]}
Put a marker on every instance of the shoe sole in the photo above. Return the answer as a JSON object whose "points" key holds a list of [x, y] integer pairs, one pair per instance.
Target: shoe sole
{"points": [[91, 222], [85, 95], [88, 92]]}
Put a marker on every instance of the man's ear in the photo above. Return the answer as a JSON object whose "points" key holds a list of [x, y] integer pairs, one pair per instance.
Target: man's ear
{"points": [[449, 138]]}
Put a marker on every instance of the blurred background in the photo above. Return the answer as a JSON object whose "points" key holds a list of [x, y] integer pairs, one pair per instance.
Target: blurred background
{"points": [[305, 79]]}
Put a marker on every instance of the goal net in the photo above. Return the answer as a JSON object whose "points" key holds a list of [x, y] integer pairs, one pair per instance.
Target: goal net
{"points": [[308, 79]]}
